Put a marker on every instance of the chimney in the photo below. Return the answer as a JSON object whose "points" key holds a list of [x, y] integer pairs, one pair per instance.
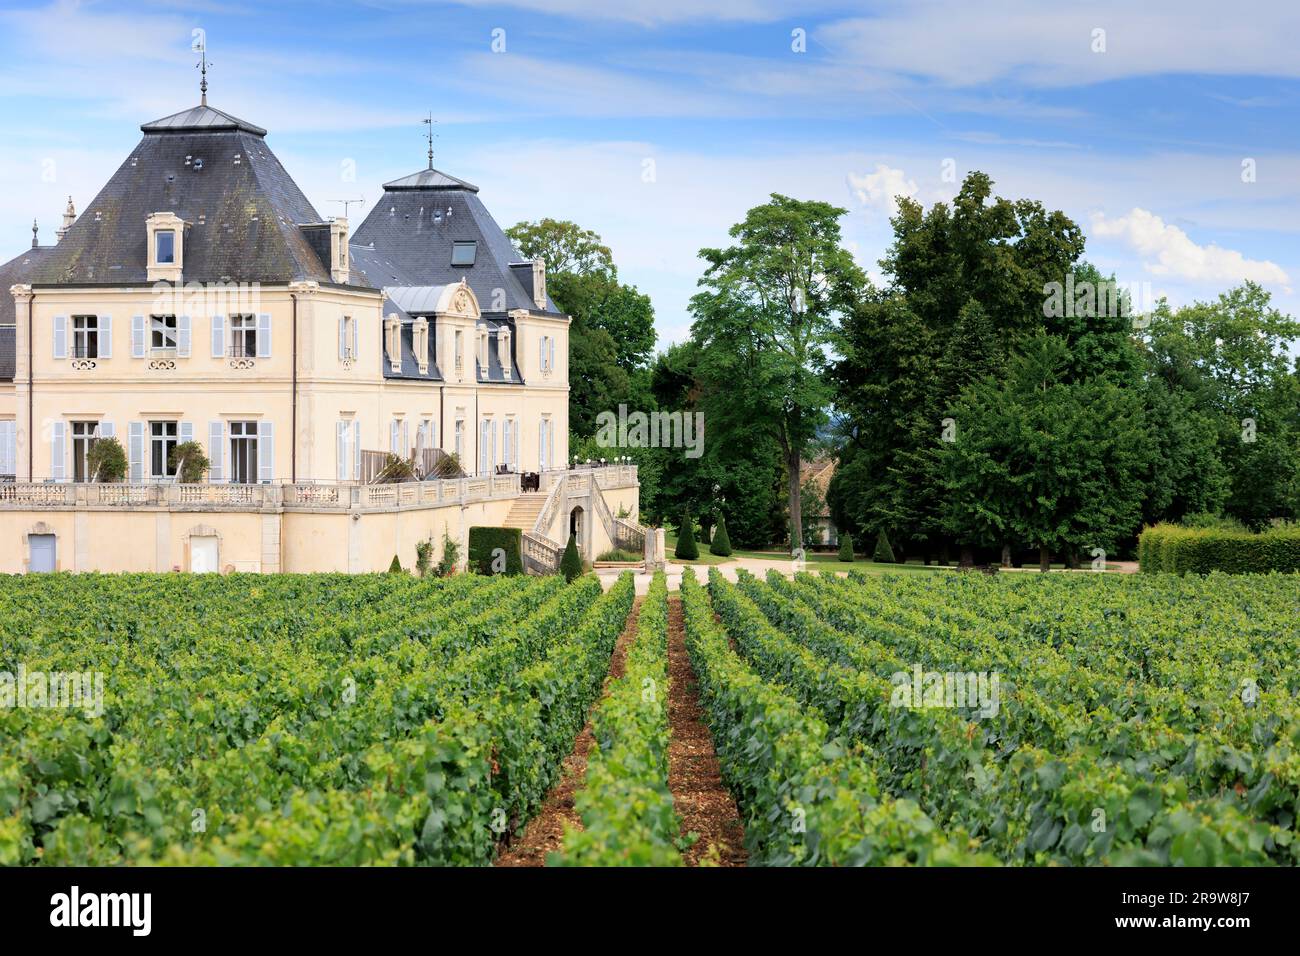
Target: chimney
{"points": [[35, 243], [69, 217], [539, 284]]}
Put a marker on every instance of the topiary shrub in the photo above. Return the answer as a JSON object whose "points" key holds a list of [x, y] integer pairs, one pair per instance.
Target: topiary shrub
{"points": [[496, 550], [395, 567], [884, 553], [846, 547], [686, 548], [188, 461], [106, 460], [721, 544], [571, 563]]}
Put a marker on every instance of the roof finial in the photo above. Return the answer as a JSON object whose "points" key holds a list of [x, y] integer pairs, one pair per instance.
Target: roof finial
{"points": [[203, 81], [429, 122], [34, 243]]}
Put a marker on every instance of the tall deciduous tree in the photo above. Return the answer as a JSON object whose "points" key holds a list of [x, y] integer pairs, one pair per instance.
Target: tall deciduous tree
{"points": [[612, 336], [764, 320]]}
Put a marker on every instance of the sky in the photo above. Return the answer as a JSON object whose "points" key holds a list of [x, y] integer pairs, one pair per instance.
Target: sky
{"points": [[1168, 131]]}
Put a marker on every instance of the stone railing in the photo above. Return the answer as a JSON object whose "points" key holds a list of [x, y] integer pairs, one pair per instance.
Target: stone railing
{"points": [[622, 533], [551, 507], [541, 555], [325, 496]]}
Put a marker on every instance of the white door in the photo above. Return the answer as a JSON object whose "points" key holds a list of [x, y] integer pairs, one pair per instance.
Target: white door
{"points": [[41, 552], [203, 554]]}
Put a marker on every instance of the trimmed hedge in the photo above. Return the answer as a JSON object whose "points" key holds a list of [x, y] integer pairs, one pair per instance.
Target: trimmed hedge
{"points": [[483, 542], [1180, 550]]}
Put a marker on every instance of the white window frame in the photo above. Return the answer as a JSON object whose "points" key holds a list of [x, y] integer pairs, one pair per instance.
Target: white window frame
{"points": [[158, 329]]}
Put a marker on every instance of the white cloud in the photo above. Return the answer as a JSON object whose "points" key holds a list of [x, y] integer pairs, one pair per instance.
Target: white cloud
{"points": [[959, 44], [1171, 252], [879, 191]]}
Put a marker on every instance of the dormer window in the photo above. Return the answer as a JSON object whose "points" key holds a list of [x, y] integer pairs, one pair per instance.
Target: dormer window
{"points": [[503, 350], [462, 253], [165, 247]]}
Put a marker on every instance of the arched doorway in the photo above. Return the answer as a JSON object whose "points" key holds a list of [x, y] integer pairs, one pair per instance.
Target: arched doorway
{"points": [[576, 529]]}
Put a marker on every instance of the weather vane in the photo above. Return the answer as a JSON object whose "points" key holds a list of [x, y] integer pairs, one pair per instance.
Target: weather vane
{"points": [[202, 65], [429, 123]]}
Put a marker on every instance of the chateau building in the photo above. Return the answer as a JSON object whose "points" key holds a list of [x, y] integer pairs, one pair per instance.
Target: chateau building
{"points": [[201, 297]]}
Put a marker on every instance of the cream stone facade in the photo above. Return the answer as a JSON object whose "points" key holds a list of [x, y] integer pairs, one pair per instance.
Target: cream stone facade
{"points": [[200, 298]]}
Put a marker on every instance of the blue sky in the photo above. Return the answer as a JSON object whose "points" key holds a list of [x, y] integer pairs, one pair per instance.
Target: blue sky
{"points": [[658, 124]]}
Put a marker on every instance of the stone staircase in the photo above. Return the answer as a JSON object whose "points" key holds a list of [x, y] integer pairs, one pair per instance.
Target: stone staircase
{"points": [[524, 511]]}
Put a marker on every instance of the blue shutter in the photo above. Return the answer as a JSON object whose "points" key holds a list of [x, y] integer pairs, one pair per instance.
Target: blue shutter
{"points": [[183, 336], [105, 336], [263, 336], [58, 431], [265, 452], [136, 450], [8, 448], [216, 452], [60, 336], [218, 336], [341, 449], [137, 336], [343, 338], [356, 451], [187, 432]]}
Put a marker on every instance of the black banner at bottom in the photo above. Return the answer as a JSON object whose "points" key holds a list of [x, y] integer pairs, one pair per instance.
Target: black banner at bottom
{"points": [[334, 906]]}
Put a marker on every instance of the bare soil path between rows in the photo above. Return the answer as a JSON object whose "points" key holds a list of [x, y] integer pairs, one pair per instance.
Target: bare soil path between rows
{"points": [[545, 832], [694, 777]]}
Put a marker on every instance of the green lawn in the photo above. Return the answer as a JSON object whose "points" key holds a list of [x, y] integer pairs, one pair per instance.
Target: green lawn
{"points": [[813, 558]]}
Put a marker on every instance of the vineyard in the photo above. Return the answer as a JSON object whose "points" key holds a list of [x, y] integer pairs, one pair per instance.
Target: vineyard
{"points": [[1137, 720], [294, 720], [956, 719]]}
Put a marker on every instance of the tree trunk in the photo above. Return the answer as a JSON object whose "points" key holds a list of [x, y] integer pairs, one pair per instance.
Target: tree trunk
{"points": [[1044, 558], [967, 557], [943, 554], [796, 511], [1072, 559], [1006, 555]]}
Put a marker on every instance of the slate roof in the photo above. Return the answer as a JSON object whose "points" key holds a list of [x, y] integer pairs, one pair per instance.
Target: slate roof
{"points": [[7, 342], [242, 210], [19, 269], [202, 118], [430, 179], [406, 240]]}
